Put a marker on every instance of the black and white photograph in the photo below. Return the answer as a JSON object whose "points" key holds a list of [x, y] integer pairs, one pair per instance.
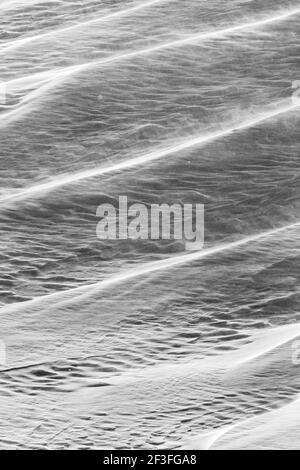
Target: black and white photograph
{"points": [[149, 228]]}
